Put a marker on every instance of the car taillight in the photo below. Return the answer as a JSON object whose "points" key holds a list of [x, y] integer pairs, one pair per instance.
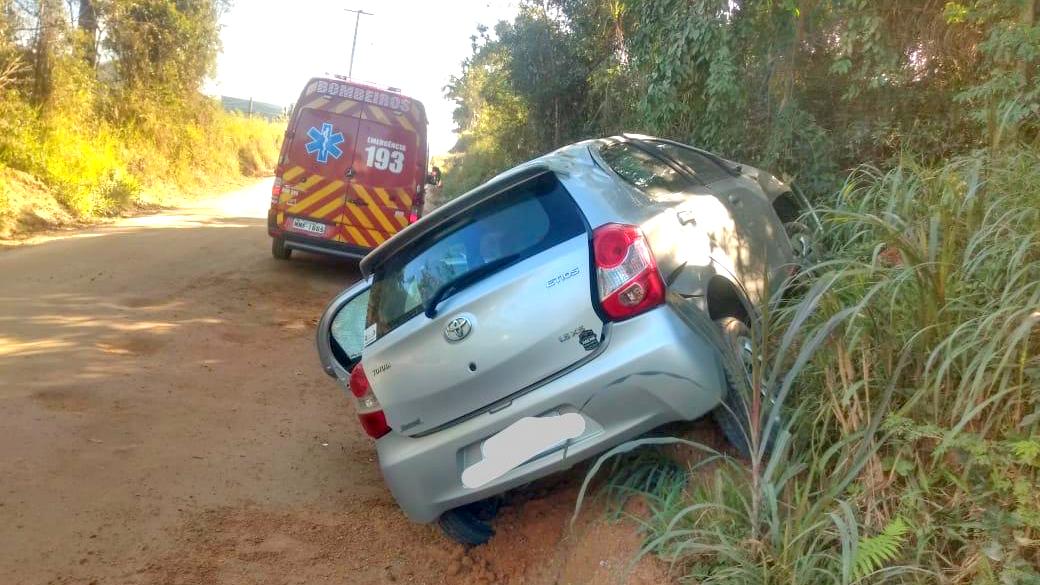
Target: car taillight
{"points": [[627, 277], [276, 190], [369, 411]]}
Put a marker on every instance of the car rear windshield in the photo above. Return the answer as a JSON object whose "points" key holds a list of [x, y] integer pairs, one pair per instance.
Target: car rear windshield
{"points": [[646, 172], [703, 167], [517, 224]]}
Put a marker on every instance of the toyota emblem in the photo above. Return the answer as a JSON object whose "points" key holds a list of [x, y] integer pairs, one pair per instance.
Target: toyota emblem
{"points": [[457, 329]]}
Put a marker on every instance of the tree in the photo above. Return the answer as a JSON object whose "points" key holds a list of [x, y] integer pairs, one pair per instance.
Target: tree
{"points": [[807, 88], [165, 47], [88, 25], [50, 29]]}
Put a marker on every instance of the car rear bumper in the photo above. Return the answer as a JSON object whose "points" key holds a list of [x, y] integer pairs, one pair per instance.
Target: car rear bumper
{"points": [[651, 370]]}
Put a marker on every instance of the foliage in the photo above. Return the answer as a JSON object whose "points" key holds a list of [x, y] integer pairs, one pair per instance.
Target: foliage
{"points": [[163, 46], [909, 367], [910, 372], [874, 552], [97, 129], [806, 88]]}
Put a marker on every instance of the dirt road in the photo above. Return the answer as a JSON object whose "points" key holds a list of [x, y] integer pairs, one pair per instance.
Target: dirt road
{"points": [[164, 421]]}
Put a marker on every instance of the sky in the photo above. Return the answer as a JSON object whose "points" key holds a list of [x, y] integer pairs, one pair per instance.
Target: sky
{"points": [[272, 47]]}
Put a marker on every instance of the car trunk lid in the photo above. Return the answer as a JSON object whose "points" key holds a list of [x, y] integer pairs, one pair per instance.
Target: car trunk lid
{"points": [[491, 338]]}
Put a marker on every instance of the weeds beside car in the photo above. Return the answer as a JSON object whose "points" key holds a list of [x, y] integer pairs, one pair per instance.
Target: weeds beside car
{"points": [[914, 371]]}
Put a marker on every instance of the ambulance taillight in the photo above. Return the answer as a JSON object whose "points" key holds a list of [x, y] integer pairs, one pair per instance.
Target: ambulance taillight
{"points": [[276, 190]]}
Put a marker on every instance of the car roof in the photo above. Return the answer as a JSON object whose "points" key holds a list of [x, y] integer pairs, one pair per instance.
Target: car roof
{"points": [[600, 194]]}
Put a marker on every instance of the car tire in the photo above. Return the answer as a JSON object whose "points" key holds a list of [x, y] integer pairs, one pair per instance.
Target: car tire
{"points": [[471, 524], [279, 250], [731, 415], [803, 244]]}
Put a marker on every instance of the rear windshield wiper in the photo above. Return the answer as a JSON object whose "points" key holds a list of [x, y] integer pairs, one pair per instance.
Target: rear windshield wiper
{"points": [[462, 281]]}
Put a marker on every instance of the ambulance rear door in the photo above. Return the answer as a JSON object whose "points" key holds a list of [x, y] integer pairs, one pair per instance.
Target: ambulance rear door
{"points": [[382, 189], [318, 171]]}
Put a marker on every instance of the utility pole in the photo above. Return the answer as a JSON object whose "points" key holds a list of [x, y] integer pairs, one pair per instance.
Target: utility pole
{"points": [[357, 21]]}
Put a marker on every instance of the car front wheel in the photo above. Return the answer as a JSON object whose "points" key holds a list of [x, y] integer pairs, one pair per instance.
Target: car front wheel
{"points": [[733, 414]]}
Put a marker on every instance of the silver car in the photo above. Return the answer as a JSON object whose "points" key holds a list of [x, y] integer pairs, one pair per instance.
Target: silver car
{"points": [[565, 306]]}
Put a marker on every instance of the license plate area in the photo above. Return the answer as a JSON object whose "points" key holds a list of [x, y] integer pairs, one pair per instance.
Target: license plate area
{"points": [[524, 442], [308, 226]]}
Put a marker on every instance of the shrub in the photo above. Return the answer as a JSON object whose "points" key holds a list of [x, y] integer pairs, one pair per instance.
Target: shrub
{"points": [[910, 372], [97, 166]]}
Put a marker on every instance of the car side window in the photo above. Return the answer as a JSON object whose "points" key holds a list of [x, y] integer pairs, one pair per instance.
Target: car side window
{"points": [[348, 330], [646, 172], [706, 170]]}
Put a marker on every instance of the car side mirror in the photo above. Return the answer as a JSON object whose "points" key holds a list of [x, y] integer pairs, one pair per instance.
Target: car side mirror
{"points": [[341, 330]]}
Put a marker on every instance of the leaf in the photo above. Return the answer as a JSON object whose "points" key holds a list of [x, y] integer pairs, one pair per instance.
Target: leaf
{"points": [[841, 66], [1026, 451], [873, 552]]}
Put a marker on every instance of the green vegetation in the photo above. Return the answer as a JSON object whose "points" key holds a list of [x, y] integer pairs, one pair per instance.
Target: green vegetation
{"points": [[908, 367], [99, 101], [806, 88]]}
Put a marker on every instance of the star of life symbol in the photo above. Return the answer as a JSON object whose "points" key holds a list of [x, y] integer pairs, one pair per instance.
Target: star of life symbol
{"points": [[325, 143]]}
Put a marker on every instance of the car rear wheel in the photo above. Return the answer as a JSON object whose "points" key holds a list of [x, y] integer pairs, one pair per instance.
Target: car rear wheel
{"points": [[471, 524], [732, 415], [278, 249]]}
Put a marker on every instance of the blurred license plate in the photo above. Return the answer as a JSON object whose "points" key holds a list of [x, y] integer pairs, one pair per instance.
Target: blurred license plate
{"points": [[309, 226], [520, 442]]}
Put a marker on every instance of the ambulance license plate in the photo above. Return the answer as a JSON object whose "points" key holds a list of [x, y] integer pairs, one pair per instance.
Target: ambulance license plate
{"points": [[313, 227]]}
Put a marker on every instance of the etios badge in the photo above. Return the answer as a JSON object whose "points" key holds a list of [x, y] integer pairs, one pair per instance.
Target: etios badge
{"points": [[458, 329]]}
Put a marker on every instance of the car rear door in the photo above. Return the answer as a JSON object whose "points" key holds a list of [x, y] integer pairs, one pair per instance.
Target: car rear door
{"points": [[318, 170], [493, 337], [382, 189], [755, 242]]}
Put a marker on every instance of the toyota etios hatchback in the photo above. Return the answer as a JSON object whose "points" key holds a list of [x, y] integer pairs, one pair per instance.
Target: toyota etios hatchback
{"points": [[564, 307]]}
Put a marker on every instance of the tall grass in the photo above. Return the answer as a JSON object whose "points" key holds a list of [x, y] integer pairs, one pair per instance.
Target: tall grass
{"points": [[97, 165], [908, 373]]}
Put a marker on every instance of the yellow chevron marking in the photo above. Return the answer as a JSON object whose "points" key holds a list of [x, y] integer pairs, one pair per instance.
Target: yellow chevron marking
{"points": [[374, 209], [280, 218], [307, 202], [378, 237], [403, 194], [401, 219], [328, 208], [359, 216], [313, 102], [379, 115], [321, 193], [356, 235], [309, 183], [406, 123], [314, 197], [345, 106], [386, 198], [292, 173]]}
